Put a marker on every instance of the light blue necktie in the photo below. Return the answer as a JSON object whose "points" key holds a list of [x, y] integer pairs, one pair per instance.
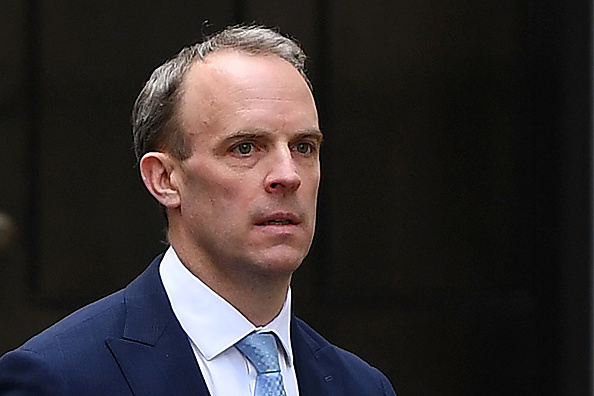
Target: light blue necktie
{"points": [[260, 349]]}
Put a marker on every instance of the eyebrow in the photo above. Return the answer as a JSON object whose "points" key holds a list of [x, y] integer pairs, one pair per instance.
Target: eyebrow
{"points": [[259, 133], [312, 133]]}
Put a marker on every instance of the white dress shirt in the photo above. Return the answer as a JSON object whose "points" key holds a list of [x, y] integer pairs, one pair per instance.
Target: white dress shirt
{"points": [[213, 326]]}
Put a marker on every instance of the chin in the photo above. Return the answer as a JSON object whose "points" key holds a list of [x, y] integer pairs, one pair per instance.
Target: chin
{"points": [[280, 262]]}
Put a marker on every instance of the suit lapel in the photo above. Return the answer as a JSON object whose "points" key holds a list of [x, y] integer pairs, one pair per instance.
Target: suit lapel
{"points": [[313, 366], [154, 353]]}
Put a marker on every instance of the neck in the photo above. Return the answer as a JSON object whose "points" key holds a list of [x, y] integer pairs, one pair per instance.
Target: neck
{"points": [[259, 303], [258, 296]]}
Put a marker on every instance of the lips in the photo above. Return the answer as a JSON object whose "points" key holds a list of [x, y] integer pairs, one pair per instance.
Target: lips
{"points": [[279, 219], [278, 222]]}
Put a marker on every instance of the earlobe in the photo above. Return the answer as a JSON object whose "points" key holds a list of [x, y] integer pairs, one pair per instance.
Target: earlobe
{"points": [[156, 170]]}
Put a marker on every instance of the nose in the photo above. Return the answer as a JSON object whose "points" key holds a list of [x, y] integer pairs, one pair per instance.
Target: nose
{"points": [[283, 176]]}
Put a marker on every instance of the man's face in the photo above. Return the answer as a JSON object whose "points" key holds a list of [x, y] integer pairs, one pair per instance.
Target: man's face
{"points": [[248, 192]]}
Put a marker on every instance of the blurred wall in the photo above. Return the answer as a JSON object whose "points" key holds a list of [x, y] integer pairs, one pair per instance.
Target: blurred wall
{"points": [[453, 246]]}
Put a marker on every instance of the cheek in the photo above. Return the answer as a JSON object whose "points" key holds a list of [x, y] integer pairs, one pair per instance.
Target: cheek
{"points": [[209, 181], [230, 195], [312, 185]]}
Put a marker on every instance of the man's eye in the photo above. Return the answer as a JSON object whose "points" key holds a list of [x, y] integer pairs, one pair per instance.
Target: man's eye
{"points": [[244, 148], [304, 148]]}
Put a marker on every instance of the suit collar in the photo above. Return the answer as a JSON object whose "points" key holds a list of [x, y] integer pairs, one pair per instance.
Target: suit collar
{"points": [[314, 365], [148, 313], [154, 353]]}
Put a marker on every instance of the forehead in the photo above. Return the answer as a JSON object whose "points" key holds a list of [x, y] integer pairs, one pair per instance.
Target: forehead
{"points": [[231, 86], [227, 72]]}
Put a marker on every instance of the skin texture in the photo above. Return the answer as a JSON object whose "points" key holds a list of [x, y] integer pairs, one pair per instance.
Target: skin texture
{"points": [[242, 207]]}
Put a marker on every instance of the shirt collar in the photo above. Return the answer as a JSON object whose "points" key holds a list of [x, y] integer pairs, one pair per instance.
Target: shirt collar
{"points": [[209, 320]]}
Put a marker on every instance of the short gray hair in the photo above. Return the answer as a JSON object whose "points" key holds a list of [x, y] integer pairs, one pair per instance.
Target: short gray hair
{"points": [[154, 123]]}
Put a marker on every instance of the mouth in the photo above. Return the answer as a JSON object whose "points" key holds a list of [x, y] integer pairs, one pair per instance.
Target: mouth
{"points": [[277, 222], [277, 219]]}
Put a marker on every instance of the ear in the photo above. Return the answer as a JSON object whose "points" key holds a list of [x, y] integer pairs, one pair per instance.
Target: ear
{"points": [[156, 169]]}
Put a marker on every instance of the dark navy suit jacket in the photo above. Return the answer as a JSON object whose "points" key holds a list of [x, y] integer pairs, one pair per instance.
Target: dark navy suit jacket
{"points": [[130, 343]]}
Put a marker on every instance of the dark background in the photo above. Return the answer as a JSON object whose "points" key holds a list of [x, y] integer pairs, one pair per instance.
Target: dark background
{"points": [[454, 243]]}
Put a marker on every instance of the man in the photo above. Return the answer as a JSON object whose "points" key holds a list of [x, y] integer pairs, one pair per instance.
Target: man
{"points": [[228, 143]]}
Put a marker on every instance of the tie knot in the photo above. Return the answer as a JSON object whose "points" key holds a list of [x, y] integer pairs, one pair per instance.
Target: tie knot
{"points": [[261, 351]]}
